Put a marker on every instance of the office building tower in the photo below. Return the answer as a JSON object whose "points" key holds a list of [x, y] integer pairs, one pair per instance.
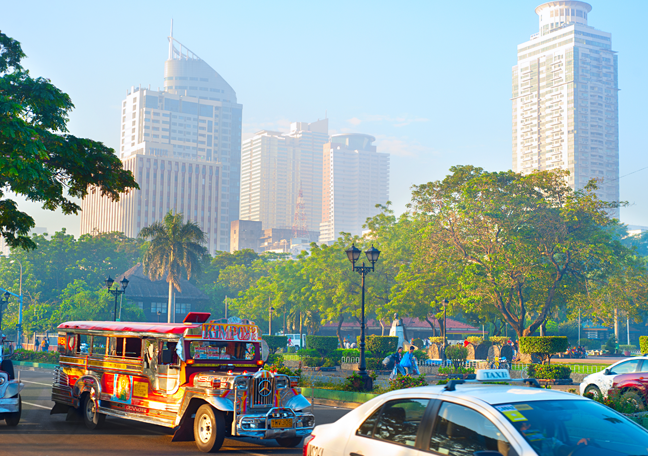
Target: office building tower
{"points": [[356, 179], [183, 146], [565, 100], [275, 166]]}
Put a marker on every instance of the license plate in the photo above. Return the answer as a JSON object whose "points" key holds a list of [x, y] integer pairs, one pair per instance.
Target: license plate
{"points": [[285, 423]]}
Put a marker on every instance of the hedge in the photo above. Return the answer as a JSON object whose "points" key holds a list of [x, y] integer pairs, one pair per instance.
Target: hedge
{"points": [[307, 352], [35, 357], [543, 346], [276, 342], [380, 345], [475, 340], [548, 372], [323, 344], [435, 340], [499, 340], [456, 352], [643, 344]]}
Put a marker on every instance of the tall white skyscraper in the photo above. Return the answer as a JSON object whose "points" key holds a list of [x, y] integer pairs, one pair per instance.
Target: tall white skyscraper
{"points": [[356, 178], [275, 166], [565, 100], [183, 145]]}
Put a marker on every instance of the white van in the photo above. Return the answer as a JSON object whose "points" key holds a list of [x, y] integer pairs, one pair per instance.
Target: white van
{"points": [[294, 340]]}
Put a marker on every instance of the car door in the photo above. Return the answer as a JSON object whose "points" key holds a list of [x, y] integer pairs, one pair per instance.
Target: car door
{"points": [[624, 367], [392, 430], [460, 430]]}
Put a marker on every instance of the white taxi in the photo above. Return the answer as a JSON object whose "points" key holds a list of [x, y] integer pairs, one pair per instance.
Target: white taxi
{"points": [[481, 420], [601, 382]]}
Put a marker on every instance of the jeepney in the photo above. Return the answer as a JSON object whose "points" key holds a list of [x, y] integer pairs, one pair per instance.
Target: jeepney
{"points": [[10, 387], [203, 379]]}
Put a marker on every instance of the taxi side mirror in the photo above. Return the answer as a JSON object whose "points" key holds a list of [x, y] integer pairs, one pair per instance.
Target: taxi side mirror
{"points": [[607, 371]]}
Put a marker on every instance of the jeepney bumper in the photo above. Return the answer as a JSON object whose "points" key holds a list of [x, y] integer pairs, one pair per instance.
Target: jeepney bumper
{"points": [[271, 425], [10, 396], [10, 405]]}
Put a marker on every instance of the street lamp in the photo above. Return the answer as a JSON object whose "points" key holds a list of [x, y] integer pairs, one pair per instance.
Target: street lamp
{"points": [[3, 302], [19, 326], [270, 321], [116, 291], [353, 254], [445, 329]]}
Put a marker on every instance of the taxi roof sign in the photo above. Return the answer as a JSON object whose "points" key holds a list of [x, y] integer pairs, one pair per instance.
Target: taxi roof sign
{"points": [[492, 375]]}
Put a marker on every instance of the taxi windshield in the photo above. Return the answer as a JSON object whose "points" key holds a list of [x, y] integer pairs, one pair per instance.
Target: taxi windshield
{"points": [[585, 428], [222, 350]]}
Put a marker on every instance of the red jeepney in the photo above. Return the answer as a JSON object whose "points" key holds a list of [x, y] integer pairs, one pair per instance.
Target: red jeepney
{"points": [[203, 379]]}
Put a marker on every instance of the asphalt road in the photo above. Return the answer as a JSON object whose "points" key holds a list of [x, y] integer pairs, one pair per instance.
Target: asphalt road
{"points": [[42, 434]]}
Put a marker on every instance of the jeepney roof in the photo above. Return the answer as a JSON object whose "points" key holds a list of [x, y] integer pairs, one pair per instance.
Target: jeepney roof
{"points": [[136, 327]]}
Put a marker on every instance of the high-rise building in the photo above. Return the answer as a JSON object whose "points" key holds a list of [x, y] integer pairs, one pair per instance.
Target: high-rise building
{"points": [[183, 145], [275, 166], [356, 178], [565, 100]]}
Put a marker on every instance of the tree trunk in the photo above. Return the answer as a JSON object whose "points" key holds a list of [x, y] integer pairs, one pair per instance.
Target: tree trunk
{"points": [[382, 325], [338, 331], [301, 332], [431, 323], [170, 315], [616, 323]]}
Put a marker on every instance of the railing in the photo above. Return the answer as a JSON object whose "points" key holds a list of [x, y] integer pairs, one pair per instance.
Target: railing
{"points": [[575, 368]]}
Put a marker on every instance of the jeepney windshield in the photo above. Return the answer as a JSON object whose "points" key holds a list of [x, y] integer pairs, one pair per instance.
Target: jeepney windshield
{"points": [[222, 350]]}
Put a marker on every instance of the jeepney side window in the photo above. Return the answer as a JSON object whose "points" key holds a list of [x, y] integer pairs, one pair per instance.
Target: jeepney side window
{"points": [[81, 344], [99, 344], [133, 347], [168, 353], [112, 346], [243, 350], [250, 351]]}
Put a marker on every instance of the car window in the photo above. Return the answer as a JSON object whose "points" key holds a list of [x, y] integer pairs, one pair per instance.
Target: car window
{"points": [[460, 431], [396, 421], [644, 366], [625, 367]]}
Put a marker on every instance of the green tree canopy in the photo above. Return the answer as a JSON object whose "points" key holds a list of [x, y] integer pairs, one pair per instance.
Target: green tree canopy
{"points": [[39, 159]]}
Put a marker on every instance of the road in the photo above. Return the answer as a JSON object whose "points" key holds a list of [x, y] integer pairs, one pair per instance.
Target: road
{"points": [[42, 434]]}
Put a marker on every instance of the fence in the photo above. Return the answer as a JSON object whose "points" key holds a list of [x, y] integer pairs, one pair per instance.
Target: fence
{"points": [[575, 368]]}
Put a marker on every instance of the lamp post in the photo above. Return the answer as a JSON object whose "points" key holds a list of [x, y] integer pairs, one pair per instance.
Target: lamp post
{"points": [[3, 302], [270, 320], [353, 254], [19, 326], [116, 291], [445, 329]]}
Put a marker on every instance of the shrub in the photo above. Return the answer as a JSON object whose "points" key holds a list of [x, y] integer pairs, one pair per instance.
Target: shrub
{"points": [[499, 340], [420, 355], [328, 362], [313, 361], [355, 382], [616, 401], [456, 352], [475, 340], [543, 347], [456, 370], [610, 345], [306, 352], [548, 372], [643, 344], [292, 349], [402, 381], [374, 364], [380, 345], [435, 340], [283, 370], [590, 344], [627, 347], [276, 342], [35, 357], [323, 344], [417, 342], [275, 360]]}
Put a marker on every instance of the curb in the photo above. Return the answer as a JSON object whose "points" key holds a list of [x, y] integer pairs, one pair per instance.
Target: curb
{"points": [[36, 365]]}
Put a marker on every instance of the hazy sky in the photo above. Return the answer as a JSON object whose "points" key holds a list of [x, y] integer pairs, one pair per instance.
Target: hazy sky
{"points": [[430, 80]]}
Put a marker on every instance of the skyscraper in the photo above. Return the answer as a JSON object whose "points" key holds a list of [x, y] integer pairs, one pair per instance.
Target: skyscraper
{"points": [[565, 100], [356, 178], [183, 145], [275, 166]]}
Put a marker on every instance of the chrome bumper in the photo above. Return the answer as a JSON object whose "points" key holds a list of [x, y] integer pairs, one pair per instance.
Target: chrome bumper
{"points": [[9, 405], [258, 424]]}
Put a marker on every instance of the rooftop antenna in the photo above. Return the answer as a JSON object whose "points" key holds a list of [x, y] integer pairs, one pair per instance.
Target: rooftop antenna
{"points": [[171, 41]]}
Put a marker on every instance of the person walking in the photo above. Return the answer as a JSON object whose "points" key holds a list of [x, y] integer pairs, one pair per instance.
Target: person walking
{"points": [[396, 359], [36, 343], [409, 362], [45, 344]]}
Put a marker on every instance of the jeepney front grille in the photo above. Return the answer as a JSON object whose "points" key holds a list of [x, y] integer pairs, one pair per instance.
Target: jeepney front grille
{"points": [[262, 394]]}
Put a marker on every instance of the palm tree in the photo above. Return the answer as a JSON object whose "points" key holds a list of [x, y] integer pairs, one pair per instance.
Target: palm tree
{"points": [[175, 249]]}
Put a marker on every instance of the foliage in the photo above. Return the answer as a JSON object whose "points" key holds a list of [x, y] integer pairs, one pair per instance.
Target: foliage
{"points": [[275, 360], [499, 340], [643, 344], [355, 382], [456, 352], [543, 346], [313, 361], [418, 342], [403, 381], [475, 340], [456, 370], [307, 352], [323, 344], [590, 344], [175, 249], [36, 356], [275, 342], [41, 161], [548, 372], [281, 369], [616, 401], [381, 345], [627, 347], [421, 355], [435, 340], [374, 364], [611, 345]]}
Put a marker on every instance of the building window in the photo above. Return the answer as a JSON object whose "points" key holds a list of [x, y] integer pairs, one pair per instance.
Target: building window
{"points": [[159, 307], [183, 308]]}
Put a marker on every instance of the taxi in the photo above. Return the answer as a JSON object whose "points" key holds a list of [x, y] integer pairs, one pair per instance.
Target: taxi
{"points": [[472, 418]]}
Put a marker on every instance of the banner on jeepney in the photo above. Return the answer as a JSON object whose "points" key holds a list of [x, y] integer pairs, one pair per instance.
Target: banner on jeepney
{"points": [[225, 331]]}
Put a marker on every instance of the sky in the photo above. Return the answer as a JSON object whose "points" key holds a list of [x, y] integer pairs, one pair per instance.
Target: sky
{"points": [[431, 80]]}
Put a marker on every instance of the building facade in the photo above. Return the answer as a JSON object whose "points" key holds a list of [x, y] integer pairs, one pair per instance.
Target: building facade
{"points": [[275, 166], [356, 179], [183, 146], [565, 100]]}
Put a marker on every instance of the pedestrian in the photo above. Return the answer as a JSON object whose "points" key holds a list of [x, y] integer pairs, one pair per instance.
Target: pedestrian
{"points": [[45, 344], [409, 362], [36, 343], [396, 359]]}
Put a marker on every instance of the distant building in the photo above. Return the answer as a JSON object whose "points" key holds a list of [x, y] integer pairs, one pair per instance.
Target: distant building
{"points": [[414, 327], [275, 166], [565, 100], [183, 146], [356, 179], [636, 230], [245, 234]]}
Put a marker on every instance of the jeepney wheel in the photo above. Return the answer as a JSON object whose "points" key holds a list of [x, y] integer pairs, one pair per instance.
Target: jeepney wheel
{"points": [[12, 419], [289, 442], [91, 417], [209, 429]]}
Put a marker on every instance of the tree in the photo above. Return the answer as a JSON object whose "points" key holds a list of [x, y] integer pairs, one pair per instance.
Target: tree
{"points": [[523, 241], [175, 249], [38, 158]]}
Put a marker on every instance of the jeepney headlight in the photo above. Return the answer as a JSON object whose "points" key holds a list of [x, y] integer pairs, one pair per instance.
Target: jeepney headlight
{"points": [[241, 384], [3, 379], [306, 421], [282, 383], [253, 423]]}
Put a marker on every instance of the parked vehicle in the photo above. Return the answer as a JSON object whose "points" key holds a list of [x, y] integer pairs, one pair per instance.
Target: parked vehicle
{"points": [[600, 383], [202, 379], [482, 420], [10, 387]]}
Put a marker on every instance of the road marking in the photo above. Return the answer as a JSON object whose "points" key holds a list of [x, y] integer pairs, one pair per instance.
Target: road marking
{"points": [[36, 405], [36, 383]]}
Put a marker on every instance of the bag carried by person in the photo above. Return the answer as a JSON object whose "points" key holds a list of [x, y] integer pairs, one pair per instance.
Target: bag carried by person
{"points": [[386, 360]]}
